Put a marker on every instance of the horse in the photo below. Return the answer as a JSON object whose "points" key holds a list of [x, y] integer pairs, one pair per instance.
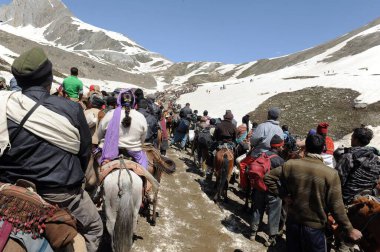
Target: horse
{"points": [[122, 198], [364, 214], [157, 164], [223, 164]]}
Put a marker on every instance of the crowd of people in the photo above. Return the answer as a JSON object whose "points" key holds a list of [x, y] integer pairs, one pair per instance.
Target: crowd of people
{"points": [[307, 181], [47, 137]]}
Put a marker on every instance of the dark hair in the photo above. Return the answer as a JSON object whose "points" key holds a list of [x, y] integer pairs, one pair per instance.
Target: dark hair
{"points": [[254, 125], [363, 135], [212, 121], [104, 93], [199, 118], [139, 94], [142, 104], [74, 71], [245, 119], [127, 100], [195, 111], [187, 104], [205, 113], [285, 128], [315, 144]]}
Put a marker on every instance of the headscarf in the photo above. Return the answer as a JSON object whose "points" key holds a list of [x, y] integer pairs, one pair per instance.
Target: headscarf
{"points": [[111, 141]]}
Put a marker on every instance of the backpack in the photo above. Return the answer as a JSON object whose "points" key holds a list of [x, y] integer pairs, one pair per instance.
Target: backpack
{"points": [[183, 126], [291, 143], [204, 138], [257, 170]]}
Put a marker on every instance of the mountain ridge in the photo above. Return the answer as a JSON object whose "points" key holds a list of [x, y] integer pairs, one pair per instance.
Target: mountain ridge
{"points": [[113, 56]]}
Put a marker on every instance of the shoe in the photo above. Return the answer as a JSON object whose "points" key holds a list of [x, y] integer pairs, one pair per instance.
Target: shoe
{"points": [[271, 242], [252, 235]]}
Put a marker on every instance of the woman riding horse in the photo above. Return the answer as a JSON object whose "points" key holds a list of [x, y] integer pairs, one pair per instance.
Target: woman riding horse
{"points": [[123, 131]]}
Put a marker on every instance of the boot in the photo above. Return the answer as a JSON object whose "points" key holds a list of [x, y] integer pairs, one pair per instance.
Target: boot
{"points": [[271, 242]]}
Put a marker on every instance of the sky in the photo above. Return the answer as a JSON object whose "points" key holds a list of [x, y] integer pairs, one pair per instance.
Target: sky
{"points": [[229, 31]]}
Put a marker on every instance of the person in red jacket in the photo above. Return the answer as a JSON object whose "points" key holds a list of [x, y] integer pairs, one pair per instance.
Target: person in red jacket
{"points": [[328, 149]]}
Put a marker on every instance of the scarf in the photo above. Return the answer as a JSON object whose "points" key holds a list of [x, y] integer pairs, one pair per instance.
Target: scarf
{"points": [[111, 141], [52, 127], [316, 156]]}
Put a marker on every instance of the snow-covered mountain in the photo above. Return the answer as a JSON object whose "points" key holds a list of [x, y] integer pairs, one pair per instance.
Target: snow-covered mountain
{"points": [[112, 58], [351, 61]]}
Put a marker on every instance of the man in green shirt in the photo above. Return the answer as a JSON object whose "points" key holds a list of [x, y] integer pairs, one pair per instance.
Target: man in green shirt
{"points": [[73, 86]]}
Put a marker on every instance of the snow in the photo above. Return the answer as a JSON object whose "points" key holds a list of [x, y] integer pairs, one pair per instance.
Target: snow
{"points": [[5, 54], [29, 32], [51, 4], [244, 96], [135, 49], [375, 142]]}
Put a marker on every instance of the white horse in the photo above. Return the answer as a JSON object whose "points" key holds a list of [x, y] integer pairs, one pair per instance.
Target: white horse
{"points": [[122, 200]]}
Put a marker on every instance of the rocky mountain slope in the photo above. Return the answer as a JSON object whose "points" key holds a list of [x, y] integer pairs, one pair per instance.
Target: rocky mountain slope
{"points": [[106, 55]]}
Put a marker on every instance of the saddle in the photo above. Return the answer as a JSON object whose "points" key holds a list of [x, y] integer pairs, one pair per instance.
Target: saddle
{"points": [[149, 182], [25, 211]]}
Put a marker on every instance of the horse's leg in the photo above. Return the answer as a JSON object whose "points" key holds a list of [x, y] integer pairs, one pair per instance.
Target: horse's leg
{"points": [[157, 175], [224, 176], [154, 214]]}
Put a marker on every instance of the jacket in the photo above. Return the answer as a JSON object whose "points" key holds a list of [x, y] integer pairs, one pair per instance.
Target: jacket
{"points": [[314, 190], [47, 166], [261, 137], [152, 122], [225, 132], [359, 170], [185, 112]]}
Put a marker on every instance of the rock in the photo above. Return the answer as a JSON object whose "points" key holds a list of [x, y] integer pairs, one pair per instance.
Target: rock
{"points": [[360, 105]]}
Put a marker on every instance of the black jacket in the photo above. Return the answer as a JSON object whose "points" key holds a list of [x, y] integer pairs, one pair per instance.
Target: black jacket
{"points": [[32, 158], [359, 170], [152, 125], [185, 112]]}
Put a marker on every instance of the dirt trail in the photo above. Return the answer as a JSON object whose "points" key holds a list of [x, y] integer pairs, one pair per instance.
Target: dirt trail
{"points": [[190, 221]]}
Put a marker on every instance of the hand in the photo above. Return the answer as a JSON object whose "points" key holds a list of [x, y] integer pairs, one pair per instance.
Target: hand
{"points": [[355, 235], [105, 162]]}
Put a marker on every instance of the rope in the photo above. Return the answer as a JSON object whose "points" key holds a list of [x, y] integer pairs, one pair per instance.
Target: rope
{"points": [[122, 167]]}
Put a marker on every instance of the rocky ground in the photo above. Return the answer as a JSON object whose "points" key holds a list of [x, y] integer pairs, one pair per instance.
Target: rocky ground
{"points": [[302, 110], [190, 221]]}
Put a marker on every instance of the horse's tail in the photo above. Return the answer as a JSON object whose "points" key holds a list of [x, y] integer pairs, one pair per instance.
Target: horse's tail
{"points": [[123, 230]]}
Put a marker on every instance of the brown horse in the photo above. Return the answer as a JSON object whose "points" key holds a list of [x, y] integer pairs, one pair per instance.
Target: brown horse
{"points": [[364, 215], [157, 165], [223, 164]]}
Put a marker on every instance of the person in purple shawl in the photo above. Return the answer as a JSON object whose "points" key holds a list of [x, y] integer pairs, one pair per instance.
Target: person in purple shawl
{"points": [[123, 131]]}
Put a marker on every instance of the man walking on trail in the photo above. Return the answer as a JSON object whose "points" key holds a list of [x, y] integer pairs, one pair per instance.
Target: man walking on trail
{"points": [[266, 200], [73, 86], [262, 135], [359, 167], [52, 148], [312, 190]]}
